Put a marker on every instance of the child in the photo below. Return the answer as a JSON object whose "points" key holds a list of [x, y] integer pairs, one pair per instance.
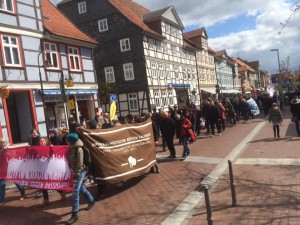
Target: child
{"points": [[4, 145], [43, 142], [35, 135], [276, 118]]}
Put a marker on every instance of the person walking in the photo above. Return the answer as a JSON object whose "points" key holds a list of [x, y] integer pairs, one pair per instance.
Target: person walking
{"points": [[214, 117], [183, 134], [167, 128], [76, 159], [276, 118], [295, 110]]}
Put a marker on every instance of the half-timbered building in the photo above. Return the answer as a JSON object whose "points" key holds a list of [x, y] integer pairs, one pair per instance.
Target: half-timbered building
{"points": [[144, 59]]}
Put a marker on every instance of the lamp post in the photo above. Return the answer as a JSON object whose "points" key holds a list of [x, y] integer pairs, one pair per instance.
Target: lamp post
{"points": [[42, 92], [276, 50]]}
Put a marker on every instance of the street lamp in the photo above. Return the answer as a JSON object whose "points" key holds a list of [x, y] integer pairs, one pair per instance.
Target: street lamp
{"points": [[276, 50], [42, 89]]}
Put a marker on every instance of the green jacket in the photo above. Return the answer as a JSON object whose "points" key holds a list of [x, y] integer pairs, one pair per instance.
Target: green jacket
{"points": [[76, 158]]}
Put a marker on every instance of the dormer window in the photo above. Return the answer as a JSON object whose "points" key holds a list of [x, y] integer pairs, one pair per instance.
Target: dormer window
{"points": [[82, 7]]}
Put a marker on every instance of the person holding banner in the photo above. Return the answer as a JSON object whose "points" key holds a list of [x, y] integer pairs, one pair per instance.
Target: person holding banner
{"points": [[4, 145], [76, 160]]}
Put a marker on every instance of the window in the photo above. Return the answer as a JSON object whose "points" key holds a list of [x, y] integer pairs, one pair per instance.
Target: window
{"points": [[51, 55], [176, 74], [10, 47], [125, 45], [153, 70], [128, 71], [156, 98], [171, 99], [167, 71], [151, 43], [161, 70], [164, 98], [82, 7], [102, 24], [74, 59], [109, 74], [184, 71], [168, 28], [133, 102], [159, 46], [7, 5]]}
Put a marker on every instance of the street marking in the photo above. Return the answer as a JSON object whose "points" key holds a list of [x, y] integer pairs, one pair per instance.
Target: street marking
{"points": [[269, 161]]}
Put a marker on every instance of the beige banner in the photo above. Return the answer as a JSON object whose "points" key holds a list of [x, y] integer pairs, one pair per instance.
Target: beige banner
{"points": [[122, 152]]}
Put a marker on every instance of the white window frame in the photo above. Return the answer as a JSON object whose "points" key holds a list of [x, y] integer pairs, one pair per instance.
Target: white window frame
{"points": [[176, 72], [82, 7], [128, 71], [132, 101], [102, 25], [5, 4], [159, 47], [151, 43], [164, 98], [153, 69], [51, 55], [156, 98], [109, 74], [161, 70], [73, 57], [171, 98], [13, 50], [125, 44], [167, 71]]}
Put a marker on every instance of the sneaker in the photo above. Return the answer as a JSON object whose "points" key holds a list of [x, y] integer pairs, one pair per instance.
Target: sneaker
{"points": [[22, 197], [39, 193], [212, 135], [88, 182], [2, 204], [183, 157], [219, 134], [173, 157]]}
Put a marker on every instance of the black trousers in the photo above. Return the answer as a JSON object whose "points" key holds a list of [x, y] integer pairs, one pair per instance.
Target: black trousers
{"points": [[170, 144], [276, 129]]}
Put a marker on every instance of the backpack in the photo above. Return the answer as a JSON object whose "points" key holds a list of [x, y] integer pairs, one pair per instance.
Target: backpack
{"points": [[86, 156]]}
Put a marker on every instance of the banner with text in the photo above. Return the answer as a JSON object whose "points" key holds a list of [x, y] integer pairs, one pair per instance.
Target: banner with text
{"points": [[42, 167], [121, 153]]}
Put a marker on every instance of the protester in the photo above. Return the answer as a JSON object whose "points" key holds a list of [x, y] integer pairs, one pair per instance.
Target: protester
{"points": [[244, 110], [78, 168], [167, 128], [213, 117], [295, 110], [183, 134], [53, 137], [276, 118], [3, 146], [107, 123], [72, 124], [63, 136], [34, 136], [222, 111]]}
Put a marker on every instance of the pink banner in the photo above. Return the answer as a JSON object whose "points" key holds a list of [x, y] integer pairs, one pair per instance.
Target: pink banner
{"points": [[42, 167]]}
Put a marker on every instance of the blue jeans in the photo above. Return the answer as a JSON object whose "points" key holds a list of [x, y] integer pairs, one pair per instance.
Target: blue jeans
{"points": [[184, 141], [77, 188], [2, 190]]}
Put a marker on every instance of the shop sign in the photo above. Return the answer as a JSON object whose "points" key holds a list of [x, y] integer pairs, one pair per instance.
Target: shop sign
{"points": [[52, 98], [84, 97]]}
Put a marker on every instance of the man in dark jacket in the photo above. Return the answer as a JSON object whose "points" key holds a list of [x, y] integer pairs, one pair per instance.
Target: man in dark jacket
{"points": [[213, 117], [167, 127], [205, 113]]}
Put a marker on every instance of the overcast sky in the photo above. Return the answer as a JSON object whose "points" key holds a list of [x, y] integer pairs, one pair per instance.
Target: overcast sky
{"points": [[244, 28]]}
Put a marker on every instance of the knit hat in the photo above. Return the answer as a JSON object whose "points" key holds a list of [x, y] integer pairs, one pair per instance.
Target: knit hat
{"points": [[72, 138], [274, 104]]}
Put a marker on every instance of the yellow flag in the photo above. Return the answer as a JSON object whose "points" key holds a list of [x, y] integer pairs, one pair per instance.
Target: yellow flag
{"points": [[113, 108]]}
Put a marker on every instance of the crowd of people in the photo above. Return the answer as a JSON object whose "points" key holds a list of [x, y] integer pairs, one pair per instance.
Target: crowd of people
{"points": [[211, 118]]}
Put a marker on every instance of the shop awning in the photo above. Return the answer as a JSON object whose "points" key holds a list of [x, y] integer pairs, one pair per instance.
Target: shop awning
{"points": [[71, 92], [209, 90]]}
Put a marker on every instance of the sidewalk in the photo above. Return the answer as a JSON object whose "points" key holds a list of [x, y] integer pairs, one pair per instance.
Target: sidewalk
{"points": [[266, 182], [152, 199]]}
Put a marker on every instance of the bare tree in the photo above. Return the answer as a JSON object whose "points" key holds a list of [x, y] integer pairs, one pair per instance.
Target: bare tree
{"points": [[295, 9]]}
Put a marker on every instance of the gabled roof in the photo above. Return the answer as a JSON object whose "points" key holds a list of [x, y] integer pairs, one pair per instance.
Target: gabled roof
{"points": [[243, 66], [133, 12], [163, 14], [195, 33], [253, 64], [219, 54], [56, 23]]}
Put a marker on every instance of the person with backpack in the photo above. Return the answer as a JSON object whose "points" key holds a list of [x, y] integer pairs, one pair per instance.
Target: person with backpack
{"points": [[76, 162]]}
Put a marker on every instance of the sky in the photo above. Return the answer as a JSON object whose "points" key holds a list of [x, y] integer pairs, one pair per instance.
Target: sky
{"points": [[248, 29]]}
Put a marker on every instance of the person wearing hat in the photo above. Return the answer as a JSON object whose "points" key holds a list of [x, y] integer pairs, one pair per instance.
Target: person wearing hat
{"points": [[295, 110], [276, 118], [79, 170]]}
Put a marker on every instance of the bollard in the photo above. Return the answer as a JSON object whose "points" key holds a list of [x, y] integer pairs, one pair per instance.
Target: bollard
{"points": [[208, 209], [232, 184]]}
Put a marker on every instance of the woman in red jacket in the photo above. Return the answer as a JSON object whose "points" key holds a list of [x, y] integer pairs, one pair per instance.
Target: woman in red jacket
{"points": [[183, 134]]}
